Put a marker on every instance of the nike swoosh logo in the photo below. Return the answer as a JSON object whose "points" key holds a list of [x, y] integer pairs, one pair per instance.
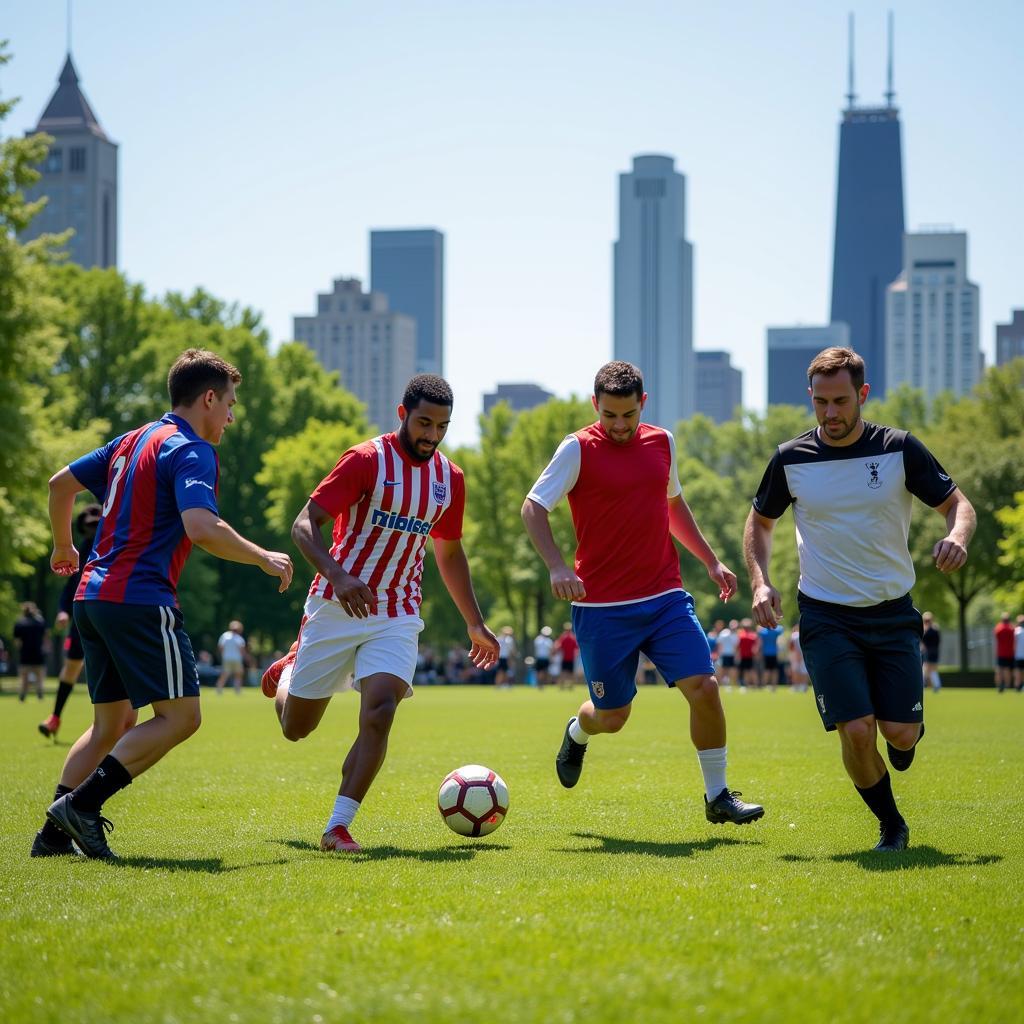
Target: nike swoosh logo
{"points": [[392, 483]]}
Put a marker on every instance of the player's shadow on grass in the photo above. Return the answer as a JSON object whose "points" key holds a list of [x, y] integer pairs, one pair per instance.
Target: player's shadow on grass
{"points": [[200, 865], [463, 852], [913, 857], [609, 844]]}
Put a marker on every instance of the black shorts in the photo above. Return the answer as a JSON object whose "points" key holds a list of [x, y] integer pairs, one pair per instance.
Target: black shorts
{"points": [[728, 661], [503, 664], [746, 664], [1005, 662], [73, 650], [136, 652], [771, 661], [1019, 663], [863, 661], [543, 664]]}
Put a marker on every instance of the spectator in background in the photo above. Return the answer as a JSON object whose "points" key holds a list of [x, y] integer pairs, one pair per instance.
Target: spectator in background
{"points": [[543, 645], [746, 648], [768, 638], [797, 668], [728, 638], [930, 641], [232, 649], [1004, 637], [1018, 654], [568, 650], [506, 658], [30, 637]]}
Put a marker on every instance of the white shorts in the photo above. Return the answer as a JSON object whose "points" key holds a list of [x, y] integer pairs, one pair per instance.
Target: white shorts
{"points": [[231, 665], [336, 651]]}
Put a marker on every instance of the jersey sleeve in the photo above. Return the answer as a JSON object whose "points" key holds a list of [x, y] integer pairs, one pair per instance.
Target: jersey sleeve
{"points": [[91, 470], [449, 526], [773, 497], [674, 486], [352, 477], [559, 476], [926, 479], [194, 469]]}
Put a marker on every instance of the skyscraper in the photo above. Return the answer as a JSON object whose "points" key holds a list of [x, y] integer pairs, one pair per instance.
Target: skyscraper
{"points": [[869, 221], [654, 287], [790, 351], [370, 346], [719, 385], [79, 177], [408, 267], [932, 317], [1010, 339], [520, 397]]}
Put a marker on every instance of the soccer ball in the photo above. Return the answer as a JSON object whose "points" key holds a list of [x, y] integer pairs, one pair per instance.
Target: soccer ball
{"points": [[473, 800]]}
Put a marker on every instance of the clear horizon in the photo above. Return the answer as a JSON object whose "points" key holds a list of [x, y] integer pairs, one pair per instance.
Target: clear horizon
{"points": [[259, 147]]}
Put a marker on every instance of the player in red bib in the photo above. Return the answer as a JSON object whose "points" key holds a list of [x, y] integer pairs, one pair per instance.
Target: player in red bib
{"points": [[361, 624], [627, 595]]}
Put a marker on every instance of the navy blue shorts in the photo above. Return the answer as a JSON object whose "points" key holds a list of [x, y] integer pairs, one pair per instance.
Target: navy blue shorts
{"points": [[612, 637], [136, 652]]}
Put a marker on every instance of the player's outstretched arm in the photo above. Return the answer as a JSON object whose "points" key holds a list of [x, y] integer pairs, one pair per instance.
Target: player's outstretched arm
{"points": [[212, 534], [757, 551], [63, 488], [565, 584], [454, 569], [961, 521], [685, 530]]}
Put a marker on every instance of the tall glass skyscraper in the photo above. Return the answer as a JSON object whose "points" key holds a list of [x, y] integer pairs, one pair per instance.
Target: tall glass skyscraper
{"points": [[869, 223], [654, 287], [408, 267]]}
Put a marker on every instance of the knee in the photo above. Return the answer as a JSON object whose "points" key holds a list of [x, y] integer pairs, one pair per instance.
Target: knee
{"points": [[613, 721], [860, 733], [699, 688], [188, 724], [379, 715], [292, 732], [902, 735]]}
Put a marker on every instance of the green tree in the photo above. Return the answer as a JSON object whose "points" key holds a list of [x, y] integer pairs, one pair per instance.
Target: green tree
{"points": [[1011, 547]]}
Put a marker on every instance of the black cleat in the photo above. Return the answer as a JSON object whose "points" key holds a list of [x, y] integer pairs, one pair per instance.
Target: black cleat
{"points": [[569, 760], [893, 836], [726, 807], [901, 760], [63, 847], [86, 828]]}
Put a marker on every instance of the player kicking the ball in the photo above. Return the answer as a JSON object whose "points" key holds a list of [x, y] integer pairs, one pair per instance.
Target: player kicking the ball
{"points": [[361, 623], [626, 592]]}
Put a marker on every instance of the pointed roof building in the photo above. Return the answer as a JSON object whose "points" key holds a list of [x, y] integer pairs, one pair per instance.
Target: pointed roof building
{"points": [[68, 109]]}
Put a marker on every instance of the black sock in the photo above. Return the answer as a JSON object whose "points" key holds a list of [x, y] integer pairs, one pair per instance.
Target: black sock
{"points": [[63, 692], [880, 799], [51, 833], [110, 777]]}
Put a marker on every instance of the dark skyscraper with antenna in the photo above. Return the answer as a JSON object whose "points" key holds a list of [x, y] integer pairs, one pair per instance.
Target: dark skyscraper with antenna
{"points": [[869, 221]]}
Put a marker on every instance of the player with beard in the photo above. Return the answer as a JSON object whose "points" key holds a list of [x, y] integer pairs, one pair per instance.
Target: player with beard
{"points": [[622, 484], [361, 622], [851, 484]]}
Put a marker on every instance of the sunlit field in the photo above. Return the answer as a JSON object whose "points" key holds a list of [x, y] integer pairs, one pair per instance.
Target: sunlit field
{"points": [[615, 901]]}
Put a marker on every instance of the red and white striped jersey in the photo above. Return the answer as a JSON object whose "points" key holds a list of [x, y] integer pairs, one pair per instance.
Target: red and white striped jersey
{"points": [[385, 506]]}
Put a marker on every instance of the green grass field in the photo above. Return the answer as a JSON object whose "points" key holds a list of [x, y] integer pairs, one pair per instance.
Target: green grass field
{"points": [[615, 901]]}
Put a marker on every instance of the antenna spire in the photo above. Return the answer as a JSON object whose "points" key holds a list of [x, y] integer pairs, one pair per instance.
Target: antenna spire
{"points": [[69, 26], [890, 95], [851, 96]]}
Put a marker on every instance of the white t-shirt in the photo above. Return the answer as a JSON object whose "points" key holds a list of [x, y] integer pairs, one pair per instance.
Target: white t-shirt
{"points": [[727, 640], [231, 645], [542, 646], [506, 645], [1018, 643]]}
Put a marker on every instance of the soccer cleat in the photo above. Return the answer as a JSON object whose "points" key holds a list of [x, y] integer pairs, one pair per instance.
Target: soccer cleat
{"points": [[85, 827], [901, 760], [893, 836], [272, 676], [50, 726], [569, 760], [727, 807], [43, 847], [338, 840]]}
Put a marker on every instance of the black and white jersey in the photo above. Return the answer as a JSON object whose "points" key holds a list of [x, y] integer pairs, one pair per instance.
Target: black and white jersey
{"points": [[852, 508]]}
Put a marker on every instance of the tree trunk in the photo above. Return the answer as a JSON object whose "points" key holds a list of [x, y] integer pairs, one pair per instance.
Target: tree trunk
{"points": [[961, 603]]}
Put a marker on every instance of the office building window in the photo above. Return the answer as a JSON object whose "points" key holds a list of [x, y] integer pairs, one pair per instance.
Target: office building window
{"points": [[54, 162], [77, 159]]}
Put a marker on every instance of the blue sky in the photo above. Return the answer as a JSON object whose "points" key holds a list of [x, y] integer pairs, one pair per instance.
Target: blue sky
{"points": [[260, 142]]}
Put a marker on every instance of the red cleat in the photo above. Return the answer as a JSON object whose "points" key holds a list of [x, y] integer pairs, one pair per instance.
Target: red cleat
{"points": [[338, 840], [272, 676], [50, 726]]}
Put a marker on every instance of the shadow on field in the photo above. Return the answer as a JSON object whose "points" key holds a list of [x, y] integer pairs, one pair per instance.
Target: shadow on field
{"points": [[202, 865], [608, 844], [464, 852], [913, 857]]}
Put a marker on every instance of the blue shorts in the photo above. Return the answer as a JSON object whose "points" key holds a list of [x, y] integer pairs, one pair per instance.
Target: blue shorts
{"points": [[136, 652], [612, 637]]}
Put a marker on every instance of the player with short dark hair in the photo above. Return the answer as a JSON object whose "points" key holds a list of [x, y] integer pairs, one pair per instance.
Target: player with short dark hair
{"points": [[158, 489], [30, 637], [851, 484], [1003, 636], [361, 622], [622, 484]]}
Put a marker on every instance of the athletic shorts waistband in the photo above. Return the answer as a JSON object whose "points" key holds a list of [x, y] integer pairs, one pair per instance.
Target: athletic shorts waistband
{"points": [[896, 606]]}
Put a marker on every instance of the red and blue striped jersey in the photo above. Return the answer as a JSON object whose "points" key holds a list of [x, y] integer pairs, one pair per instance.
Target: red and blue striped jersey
{"points": [[145, 479]]}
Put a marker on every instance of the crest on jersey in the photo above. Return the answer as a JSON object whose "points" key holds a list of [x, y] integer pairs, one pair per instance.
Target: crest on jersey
{"points": [[440, 492], [598, 687], [873, 482]]}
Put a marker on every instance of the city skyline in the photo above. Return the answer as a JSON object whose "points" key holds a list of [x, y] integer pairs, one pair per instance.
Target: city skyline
{"points": [[230, 180]]}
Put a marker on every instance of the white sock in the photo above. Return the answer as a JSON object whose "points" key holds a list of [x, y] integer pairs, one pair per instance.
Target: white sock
{"points": [[576, 734], [344, 811], [712, 766]]}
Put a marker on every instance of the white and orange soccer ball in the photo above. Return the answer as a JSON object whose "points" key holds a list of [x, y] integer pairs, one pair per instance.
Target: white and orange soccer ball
{"points": [[473, 800]]}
